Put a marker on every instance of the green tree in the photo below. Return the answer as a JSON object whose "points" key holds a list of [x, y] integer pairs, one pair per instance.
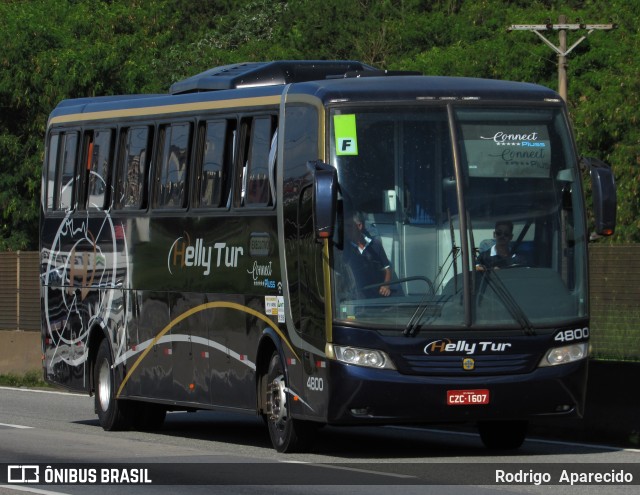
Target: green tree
{"points": [[57, 49], [53, 50]]}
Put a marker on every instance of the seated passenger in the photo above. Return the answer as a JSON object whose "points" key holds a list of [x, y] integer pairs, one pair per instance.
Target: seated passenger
{"points": [[500, 255], [367, 259]]}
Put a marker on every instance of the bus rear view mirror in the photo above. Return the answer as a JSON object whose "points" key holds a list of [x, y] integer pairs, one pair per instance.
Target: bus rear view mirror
{"points": [[603, 190], [325, 194]]}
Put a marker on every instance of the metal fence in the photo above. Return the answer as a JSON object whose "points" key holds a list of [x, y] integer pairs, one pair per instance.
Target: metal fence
{"points": [[614, 287], [614, 274], [19, 291]]}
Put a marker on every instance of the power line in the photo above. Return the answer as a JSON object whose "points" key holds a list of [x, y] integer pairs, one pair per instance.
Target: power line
{"points": [[562, 27]]}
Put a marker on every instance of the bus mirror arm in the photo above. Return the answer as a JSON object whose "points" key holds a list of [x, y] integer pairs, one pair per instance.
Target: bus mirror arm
{"points": [[603, 190], [325, 196]]}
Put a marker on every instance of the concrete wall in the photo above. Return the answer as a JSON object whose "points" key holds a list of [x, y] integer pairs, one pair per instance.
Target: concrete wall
{"points": [[19, 352]]}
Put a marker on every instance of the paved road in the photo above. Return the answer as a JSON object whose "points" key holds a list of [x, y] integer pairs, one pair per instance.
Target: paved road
{"points": [[227, 453]]}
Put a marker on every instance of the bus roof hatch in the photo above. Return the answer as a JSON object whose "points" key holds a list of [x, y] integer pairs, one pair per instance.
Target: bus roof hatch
{"points": [[252, 74]]}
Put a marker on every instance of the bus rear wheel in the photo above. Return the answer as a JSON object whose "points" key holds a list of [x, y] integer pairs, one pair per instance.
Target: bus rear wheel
{"points": [[503, 435], [287, 434], [113, 414]]}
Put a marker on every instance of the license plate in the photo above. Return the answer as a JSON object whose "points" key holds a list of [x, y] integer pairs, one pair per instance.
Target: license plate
{"points": [[467, 397]]}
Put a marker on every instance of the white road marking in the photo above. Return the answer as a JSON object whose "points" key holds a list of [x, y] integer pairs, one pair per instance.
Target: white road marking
{"points": [[343, 468], [29, 489], [43, 391], [528, 439]]}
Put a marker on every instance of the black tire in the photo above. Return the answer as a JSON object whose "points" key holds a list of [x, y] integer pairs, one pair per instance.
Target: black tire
{"points": [[287, 434], [113, 414], [503, 435]]}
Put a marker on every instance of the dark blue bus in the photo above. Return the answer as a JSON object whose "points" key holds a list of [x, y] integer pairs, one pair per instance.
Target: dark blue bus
{"points": [[320, 242]]}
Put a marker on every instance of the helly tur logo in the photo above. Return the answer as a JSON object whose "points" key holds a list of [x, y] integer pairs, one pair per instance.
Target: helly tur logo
{"points": [[448, 346], [185, 254]]}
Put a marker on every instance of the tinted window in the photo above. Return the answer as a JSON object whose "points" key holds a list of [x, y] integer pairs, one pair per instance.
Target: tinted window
{"points": [[257, 175], [213, 180], [52, 160], [99, 167], [135, 156], [66, 179], [172, 177]]}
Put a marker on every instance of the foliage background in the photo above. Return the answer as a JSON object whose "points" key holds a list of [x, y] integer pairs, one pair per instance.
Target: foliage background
{"points": [[56, 49]]}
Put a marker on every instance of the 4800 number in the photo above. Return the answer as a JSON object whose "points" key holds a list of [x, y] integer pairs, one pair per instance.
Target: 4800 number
{"points": [[572, 335], [315, 383]]}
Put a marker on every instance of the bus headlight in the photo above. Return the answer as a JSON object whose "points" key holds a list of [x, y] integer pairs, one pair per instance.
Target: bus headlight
{"points": [[565, 354], [358, 356]]}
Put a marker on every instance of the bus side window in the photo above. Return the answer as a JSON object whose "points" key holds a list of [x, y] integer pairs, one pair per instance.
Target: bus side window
{"points": [[66, 178], [273, 156], [98, 151], [171, 175], [257, 179], [50, 180], [132, 170], [215, 155]]}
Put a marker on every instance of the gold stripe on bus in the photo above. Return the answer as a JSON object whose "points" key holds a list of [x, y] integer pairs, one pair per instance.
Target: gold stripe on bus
{"points": [[165, 109], [191, 312]]}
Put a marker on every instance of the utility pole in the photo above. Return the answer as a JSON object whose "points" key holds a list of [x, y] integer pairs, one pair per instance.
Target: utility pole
{"points": [[562, 27]]}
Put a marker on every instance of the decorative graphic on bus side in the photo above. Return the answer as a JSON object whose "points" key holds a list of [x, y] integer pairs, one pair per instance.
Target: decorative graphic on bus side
{"points": [[82, 258]]}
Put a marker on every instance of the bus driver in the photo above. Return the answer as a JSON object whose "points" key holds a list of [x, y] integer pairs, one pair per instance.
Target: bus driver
{"points": [[367, 259], [501, 254]]}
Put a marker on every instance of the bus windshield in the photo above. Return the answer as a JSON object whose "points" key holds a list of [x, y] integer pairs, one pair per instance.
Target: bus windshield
{"points": [[468, 216]]}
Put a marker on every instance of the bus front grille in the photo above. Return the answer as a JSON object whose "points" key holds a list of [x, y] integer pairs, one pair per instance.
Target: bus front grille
{"points": [[460, 365]]}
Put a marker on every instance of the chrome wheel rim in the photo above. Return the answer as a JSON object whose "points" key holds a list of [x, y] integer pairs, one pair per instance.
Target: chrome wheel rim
{"points": [[104, 385], [278, 401]]}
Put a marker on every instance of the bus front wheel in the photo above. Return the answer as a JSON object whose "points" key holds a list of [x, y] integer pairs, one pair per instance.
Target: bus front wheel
{"points": [[287, 434], [113, 414]]}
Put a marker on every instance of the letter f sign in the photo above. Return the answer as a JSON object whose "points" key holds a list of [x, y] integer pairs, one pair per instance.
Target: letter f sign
{"points": [[346, 134], [347, 146]]}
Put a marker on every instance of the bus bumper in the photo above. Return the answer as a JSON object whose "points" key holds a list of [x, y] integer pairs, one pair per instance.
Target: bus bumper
{"points": [[368, 396]]}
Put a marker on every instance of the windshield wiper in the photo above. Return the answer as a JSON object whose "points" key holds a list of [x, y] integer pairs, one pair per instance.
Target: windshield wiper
{"points": [[454, 250], [494, 281], [413, 326]]}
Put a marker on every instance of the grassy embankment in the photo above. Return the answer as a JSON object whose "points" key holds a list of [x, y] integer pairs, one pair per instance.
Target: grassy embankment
{"points": [[29, 379]]}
